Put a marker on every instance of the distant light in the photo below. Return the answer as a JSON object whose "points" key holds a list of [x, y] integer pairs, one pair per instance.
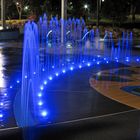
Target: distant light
{"points": [[25, 76], [104, 58], [103, 0], [107, 62], [11, 86], [50, 78], [98, 56], [18, 81], [44, 113], [53, 67], [34, 73], [43, 69], [137, 60], [1, 28], [85, 6], [26, 8], [99, 73], [40, 103], [17, 3]]}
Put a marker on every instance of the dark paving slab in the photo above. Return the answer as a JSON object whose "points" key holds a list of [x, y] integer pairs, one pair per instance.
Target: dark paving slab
{"points": [[70, 105], [123, 126]]}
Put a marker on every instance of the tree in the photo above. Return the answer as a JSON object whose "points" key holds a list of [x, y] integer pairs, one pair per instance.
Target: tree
{"points": [[116, 10], [20, 5], [134, 6]]}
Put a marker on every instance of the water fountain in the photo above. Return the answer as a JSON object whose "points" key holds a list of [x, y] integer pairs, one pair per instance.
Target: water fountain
{"points": [[46, 56]]}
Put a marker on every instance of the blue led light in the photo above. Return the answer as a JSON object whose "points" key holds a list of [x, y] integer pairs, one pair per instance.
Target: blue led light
{"points": [[50, 78], [107, 62], [52, 67], [80, 66], [18, 81], [39, 94], [25, 76], [71, 68], [1, 103], [45, 82], [104, 58], [11, 86], [34, 73], [64, 71], [127, 59], [1, 115], [56, 74], [98, 63], [44, 113], [41, 87], [5, 94], [137, 60], [88, 64], [40, 103]]}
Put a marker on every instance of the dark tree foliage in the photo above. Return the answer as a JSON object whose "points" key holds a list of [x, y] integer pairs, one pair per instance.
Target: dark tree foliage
{"points": [[117, 10], [51, 7], [134, 6]]}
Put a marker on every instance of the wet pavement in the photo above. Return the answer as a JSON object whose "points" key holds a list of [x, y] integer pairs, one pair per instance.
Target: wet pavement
{"points": [[69, 98]]}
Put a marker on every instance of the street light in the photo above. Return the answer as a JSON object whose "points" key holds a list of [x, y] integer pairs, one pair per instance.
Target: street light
{"points": [[86, 11], [17, 3], [26, 8], [86, 6]]}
